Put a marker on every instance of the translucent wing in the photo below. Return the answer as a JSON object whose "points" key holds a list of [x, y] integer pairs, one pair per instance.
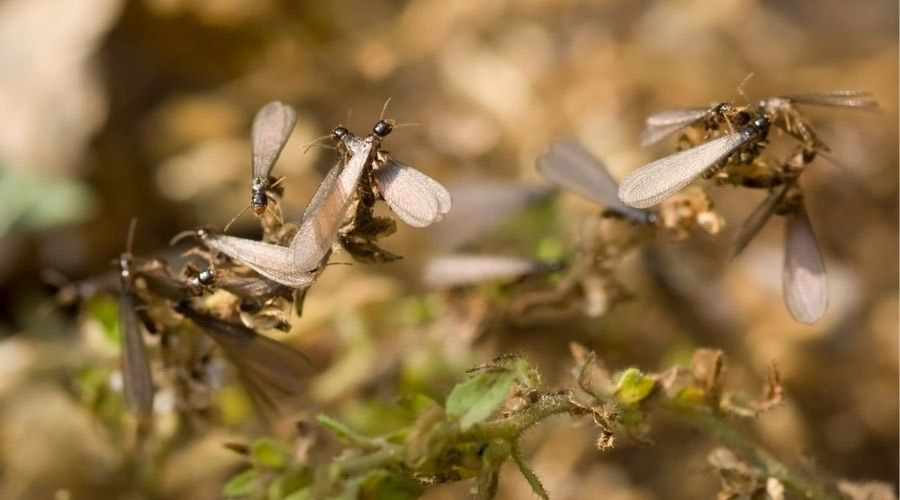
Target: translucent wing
{"points": [[804, 281], [250, 287], [326, 212], [665, 123], [137, 381], [272, 261], [758, 219], [272, 127], [658, 180], [272, 371], [462, 269], [324, 188], [837, 98], [416, 198], [569, 165], [480, 206]]}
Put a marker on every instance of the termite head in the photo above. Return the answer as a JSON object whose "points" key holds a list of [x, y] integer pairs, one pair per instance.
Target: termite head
{"points": [[382, 128], [339, 133], [259, 201], [125, 266], [760, 125]]}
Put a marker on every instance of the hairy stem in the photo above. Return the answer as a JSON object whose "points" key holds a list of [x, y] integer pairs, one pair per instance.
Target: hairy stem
{"points": [[720, 429]]}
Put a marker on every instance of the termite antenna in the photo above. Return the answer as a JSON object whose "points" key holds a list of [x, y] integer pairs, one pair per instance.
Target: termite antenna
{"points": [[235, 218], [349, 114], [130, 238], [384, 108], [740, 88], [180, 236], [317, 142], [410, 124]]}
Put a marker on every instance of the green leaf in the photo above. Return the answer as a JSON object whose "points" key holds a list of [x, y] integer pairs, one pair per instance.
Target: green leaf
{"points": [[267, 453], [529, 474], [475, 400], [241, 485], [301, 494], [634, 386], [342, 431]]}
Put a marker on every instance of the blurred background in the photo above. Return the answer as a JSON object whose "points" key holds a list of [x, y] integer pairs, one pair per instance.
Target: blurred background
{"points": [[114, 109]]}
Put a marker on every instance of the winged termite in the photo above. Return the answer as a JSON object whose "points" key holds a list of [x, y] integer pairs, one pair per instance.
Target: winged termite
{"points": [[804, 283], [467, 269], [416, 198], [272, 126], [666, 123], [784, 113], [292, 265], [254, 288], [272, 371], [571, 166], [137, 381], [658, 180]]}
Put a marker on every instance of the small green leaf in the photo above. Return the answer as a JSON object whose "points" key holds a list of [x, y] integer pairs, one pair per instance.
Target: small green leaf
{"points": [[267, 453], [634, 386], [476, 399], [301, 494], [241, 485], [341, 430], [529, 474]]}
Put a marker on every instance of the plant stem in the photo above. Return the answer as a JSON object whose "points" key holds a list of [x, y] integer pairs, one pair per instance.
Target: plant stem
{"points": [[737, 442]]}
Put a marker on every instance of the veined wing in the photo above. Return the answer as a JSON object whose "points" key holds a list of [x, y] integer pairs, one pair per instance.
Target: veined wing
{"points": [[467, 269], [665, 123], [658, 180], [272, 371], [758, 219], [272, 261], [837, 98], [416, 198], [804, 281], [272, 126], [569, 165], [137, 381], [326, 212]]}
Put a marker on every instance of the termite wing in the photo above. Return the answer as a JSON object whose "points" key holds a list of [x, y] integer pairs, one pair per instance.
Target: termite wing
{"points": [[272, 371], [656, 181], [571, 166], [136, 378], [416, 198], [459, 270], [758, 219], [666, 123], [272, 126], [804, 283], [784, 113]]}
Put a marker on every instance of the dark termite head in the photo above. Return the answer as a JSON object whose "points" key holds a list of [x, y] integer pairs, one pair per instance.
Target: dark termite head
{"points": [[382, 128], [741, 118], [258, 200], [206, 277], [759, 127], [124, 264], [339, 132]]}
